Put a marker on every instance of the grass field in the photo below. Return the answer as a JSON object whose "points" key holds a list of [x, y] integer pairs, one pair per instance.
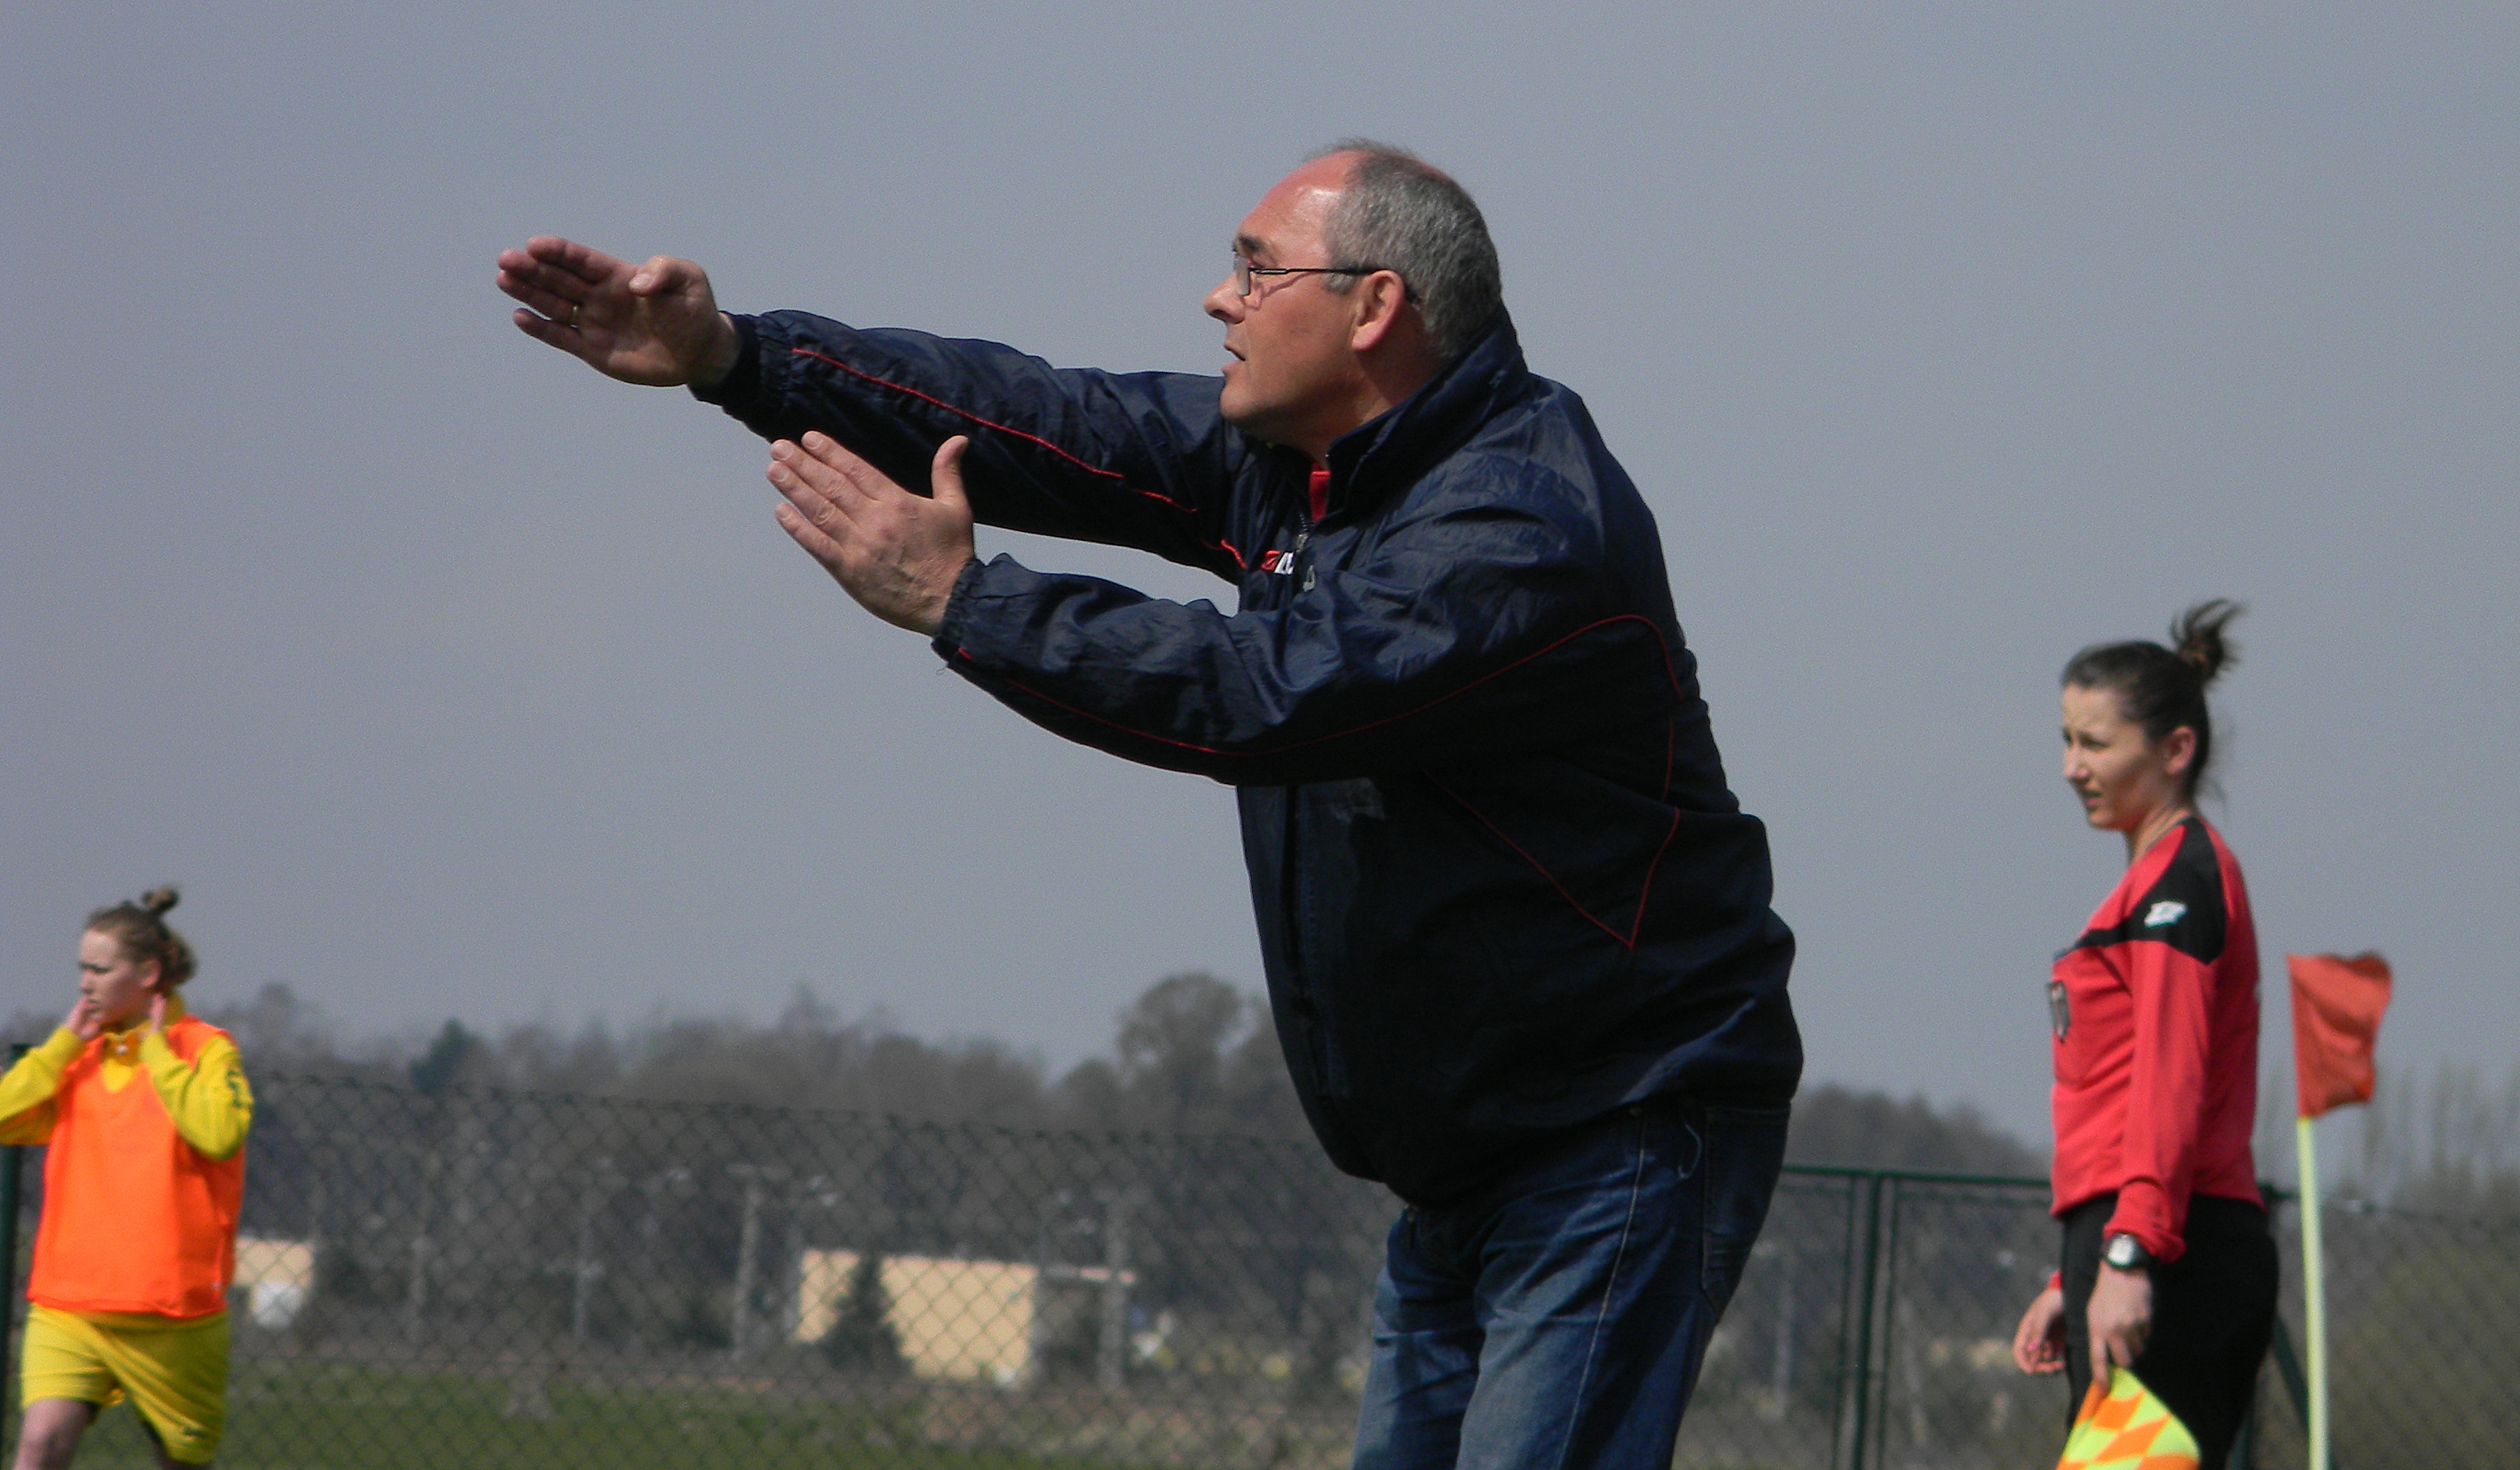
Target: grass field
{"points": [[336, 1418], [304, 1415]]}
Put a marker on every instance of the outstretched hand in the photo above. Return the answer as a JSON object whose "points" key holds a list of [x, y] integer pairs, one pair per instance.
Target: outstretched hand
{"points": [[655, 324], [898, 554]]}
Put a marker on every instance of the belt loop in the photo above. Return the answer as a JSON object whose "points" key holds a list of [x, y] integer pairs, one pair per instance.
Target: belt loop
{"points": [[1692, 1126]]}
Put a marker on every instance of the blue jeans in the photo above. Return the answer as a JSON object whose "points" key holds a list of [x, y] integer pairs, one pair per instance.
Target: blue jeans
{"points": [[1554, 1317]]}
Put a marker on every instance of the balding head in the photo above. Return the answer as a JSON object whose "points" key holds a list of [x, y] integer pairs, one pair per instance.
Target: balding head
{"points": [[1401, 213], [1319, 342]]}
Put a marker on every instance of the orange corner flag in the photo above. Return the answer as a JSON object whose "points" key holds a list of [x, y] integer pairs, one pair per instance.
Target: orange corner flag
{"points": [[2336, 1006]]}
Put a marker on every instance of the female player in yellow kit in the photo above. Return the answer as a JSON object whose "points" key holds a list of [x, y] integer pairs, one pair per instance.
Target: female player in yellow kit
{"points": [[143, 1109]]}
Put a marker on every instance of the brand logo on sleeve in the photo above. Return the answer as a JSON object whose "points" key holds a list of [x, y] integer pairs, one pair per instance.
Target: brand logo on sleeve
{"points": [[2167, 912], [2060, 1011], [1278, 563]]}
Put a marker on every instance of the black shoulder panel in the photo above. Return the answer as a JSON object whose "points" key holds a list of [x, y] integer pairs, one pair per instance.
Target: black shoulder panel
{"points": [[2184, 908]]}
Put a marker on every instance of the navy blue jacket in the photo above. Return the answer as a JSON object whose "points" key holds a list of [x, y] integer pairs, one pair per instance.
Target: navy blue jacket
{"points": [[1501, 883]]}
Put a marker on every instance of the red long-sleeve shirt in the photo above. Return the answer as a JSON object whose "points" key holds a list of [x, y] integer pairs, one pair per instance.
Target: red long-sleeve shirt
{"points": [[2155, 1015]]}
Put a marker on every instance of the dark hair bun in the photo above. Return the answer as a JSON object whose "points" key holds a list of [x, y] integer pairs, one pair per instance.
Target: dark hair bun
{"points": [[140, 926], [2163, 689], [2196, 637]]}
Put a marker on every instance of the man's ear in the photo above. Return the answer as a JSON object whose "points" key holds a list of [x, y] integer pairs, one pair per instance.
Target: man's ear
{"points": [[1379, 302]]}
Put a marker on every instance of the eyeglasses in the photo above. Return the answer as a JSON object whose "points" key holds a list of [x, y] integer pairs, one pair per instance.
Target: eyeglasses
{"points": [[1244, 273]]}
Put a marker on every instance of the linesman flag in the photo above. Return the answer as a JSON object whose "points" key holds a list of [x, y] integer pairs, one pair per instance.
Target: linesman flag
{"points": [[2122, 1426], [2336, 1006]]}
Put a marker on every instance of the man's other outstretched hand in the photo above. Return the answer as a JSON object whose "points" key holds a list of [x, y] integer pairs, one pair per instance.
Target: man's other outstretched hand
{"points": [[898, 554], [655, 324]]}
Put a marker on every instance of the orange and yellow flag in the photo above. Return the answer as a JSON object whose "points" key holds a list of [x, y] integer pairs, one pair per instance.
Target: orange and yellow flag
{"points": [[2127, 1428]]}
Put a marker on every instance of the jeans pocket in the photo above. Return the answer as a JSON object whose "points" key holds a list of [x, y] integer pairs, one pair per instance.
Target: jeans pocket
{"points": [[1745, 1152]]}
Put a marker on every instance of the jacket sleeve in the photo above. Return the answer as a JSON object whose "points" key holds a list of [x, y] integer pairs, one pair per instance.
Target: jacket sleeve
{"points": [[27, 1093], [207, 1098], [2171, 977], [1479, 625], [1137, 460]]}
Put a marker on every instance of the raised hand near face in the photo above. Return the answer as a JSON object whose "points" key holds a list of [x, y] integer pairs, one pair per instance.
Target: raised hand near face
{"points": [[86, 1019], [655, 324], [898, 554]]}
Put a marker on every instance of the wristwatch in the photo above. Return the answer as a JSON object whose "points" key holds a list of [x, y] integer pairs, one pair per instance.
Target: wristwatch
{"points": [[2126, 1253]]}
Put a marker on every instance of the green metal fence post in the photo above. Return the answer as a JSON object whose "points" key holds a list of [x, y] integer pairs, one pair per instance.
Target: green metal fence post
{"points": [[2288, 1364], [1888, 1234], [2280, 1345], [13, 1165], [1845, 1339], [1863, 1321]]}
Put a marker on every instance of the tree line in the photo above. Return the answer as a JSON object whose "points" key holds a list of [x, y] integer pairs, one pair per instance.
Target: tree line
{"points": [[1195, 1054], [1190, 1054]]}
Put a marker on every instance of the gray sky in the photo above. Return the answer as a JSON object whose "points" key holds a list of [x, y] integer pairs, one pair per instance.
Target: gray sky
{"points": [[450, 679]]}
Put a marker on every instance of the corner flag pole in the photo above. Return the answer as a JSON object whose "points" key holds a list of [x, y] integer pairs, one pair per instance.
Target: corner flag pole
{"points": [[2336, 1007], [2314, 1294]]}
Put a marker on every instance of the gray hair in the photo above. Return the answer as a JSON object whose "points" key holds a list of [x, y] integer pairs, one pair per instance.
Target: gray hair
{"points": [[1402, 213]]}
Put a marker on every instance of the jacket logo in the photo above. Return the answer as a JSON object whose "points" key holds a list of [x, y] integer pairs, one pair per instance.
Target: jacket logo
{"points": [[2167, 912], [1278, 563], [2060, 1011]]}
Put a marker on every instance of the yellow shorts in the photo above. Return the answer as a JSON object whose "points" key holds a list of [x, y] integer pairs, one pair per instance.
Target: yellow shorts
{"points": [[175, 1370]]}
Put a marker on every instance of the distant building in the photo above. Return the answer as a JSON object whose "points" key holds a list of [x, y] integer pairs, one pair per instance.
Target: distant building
{"points": [[960, 1319], [277, 1277]]}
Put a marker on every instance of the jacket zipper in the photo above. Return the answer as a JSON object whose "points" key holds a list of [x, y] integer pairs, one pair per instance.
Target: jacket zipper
{"points": [[1298, 907], [1295, 911]]}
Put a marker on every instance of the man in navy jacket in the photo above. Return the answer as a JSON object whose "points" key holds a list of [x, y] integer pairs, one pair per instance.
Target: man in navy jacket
{"points": [[1515, 925]]}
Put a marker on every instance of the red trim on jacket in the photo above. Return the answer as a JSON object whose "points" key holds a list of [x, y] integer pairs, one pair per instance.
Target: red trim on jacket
{"points": [[1644, 894], [1028, 690], [1115, 476]]}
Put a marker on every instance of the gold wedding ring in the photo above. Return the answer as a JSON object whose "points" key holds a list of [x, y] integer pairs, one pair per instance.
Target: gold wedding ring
{"points": [[573, 308]]}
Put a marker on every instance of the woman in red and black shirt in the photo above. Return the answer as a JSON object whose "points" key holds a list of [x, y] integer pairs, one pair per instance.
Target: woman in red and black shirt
{"points": [[2168, 1268]]}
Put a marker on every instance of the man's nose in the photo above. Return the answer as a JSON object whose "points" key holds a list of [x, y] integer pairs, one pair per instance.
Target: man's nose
{"points": [[1224, 304]]}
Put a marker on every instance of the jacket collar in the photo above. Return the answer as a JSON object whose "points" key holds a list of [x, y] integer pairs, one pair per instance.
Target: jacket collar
{"points": [[1404, 442]]}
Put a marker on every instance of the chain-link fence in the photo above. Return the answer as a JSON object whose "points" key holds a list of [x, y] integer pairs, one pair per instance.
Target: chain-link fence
{"points": [[492, 1279], [2423, 1324]]}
